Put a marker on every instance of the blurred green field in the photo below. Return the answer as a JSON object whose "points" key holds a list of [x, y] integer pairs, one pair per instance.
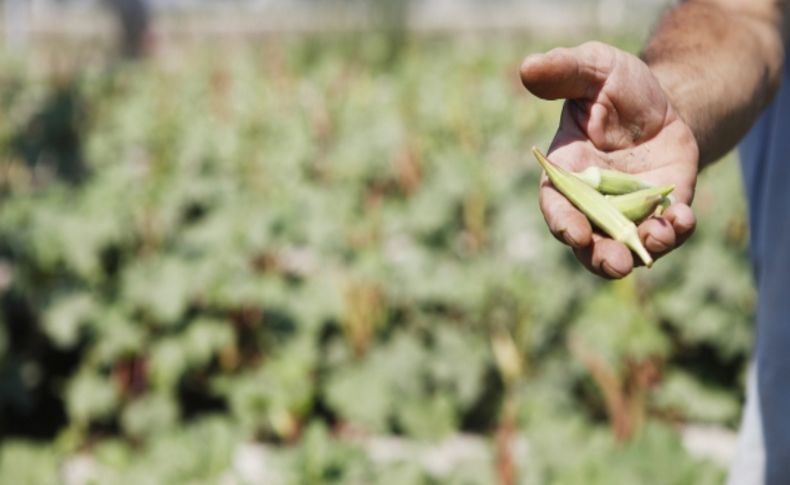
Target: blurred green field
{"points": [[245, 263]]}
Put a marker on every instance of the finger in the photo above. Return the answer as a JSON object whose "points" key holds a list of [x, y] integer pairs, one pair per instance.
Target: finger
{"points": [[682, 219], [567, 73], [657, 234], [566, 222], [606, 257]]}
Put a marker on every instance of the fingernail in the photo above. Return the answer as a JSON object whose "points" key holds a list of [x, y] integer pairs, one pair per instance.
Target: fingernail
{"points": [[569, 240], [532, 58], [654, 245], [611, 271]]}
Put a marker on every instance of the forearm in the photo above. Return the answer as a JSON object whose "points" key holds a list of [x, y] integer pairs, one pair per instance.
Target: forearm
{"points": [[720, 65]]}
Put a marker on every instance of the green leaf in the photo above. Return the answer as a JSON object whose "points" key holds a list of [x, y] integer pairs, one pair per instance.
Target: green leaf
{"points": [[24, 462], [152, 413], [90, 397], [66, 318], [695, 400]]}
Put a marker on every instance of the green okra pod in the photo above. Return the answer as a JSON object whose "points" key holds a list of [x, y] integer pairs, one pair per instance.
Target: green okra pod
{"points": [[664, 204], [611, 181], [642, 203], [595, 206]]}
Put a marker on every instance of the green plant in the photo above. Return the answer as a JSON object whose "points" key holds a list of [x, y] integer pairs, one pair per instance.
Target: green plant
{"points": [[281, 250]]}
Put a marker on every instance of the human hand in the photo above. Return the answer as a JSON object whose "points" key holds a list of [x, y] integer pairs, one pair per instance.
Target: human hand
{"points": [[616, 115]]}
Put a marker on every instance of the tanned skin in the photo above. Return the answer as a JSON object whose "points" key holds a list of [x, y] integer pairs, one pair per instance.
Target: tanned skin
{"points": [[705, 75]]}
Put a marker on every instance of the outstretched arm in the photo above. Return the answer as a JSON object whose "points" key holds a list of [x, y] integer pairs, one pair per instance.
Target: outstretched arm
{"points": [[706, 74], [720, 63]]}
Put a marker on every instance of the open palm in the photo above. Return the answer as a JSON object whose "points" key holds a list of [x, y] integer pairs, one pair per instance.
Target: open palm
{"points": [[617, 116]]}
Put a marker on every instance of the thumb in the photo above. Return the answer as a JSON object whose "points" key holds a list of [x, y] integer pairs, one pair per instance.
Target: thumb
{"points": [[577, 73]]}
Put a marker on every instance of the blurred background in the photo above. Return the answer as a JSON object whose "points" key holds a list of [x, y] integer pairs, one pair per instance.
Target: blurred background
{"points": [[297, 242]]}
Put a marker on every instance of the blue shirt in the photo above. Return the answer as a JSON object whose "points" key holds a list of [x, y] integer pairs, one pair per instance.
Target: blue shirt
{"points": [[765, 161]]}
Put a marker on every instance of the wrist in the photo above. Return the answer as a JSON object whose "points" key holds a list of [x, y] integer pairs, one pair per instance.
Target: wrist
{"points": [[671, 82], [671, 79]]}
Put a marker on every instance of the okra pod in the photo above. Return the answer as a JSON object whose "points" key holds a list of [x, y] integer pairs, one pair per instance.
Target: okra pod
{"points": [[642, 203], [595, 206], [664, 205], [611, 181]]}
